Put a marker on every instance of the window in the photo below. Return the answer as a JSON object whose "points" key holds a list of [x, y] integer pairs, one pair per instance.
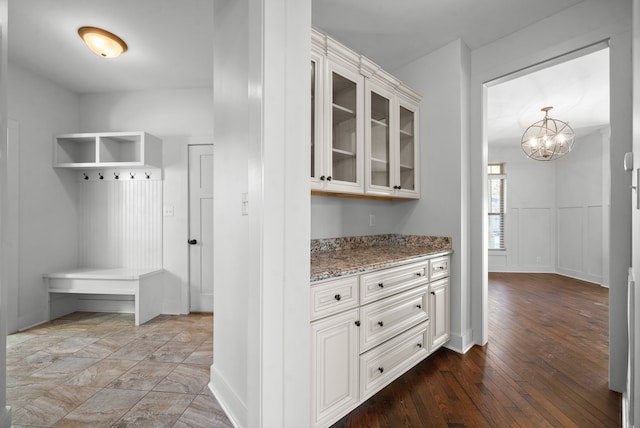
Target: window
{"points": [[497, 196]]}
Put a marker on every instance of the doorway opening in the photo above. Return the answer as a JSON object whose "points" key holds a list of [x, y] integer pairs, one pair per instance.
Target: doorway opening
{"points": [[556, 213]]}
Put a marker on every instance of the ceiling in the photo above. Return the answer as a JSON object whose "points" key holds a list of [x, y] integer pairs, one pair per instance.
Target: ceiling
{"points": [[171, 45]]}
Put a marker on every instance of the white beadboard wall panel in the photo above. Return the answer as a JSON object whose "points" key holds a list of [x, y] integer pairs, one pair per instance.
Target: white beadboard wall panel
{"points": [[120, 223]]}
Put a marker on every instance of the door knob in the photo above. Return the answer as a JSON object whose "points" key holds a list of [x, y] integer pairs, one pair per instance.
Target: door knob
{"points": [[193, 241]]}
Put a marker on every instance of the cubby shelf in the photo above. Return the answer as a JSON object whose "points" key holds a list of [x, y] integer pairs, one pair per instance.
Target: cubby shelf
{"points": [[107, 150]]}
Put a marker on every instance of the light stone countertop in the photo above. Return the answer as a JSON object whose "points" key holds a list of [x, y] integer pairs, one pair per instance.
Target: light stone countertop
{"points": [[331, 258]]}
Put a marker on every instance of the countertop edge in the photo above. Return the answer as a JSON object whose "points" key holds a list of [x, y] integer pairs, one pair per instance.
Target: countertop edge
{"points": [[326, 276]]}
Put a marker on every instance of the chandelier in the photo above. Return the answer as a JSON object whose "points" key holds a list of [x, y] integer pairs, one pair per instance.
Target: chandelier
{"points": [[547, 139]]}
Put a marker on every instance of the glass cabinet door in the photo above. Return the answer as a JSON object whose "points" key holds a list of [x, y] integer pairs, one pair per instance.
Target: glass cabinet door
{"points": [[407, 143], [344, 148], [380, 167]]}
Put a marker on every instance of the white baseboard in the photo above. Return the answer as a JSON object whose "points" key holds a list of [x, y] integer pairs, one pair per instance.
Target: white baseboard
{"points": [[460, 343], [233, 406], [5, 417]]}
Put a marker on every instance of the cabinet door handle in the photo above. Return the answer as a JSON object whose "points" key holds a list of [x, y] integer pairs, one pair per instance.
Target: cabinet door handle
{"points": [[381, 324], [419, 306], [337, 297], [193, 241], [322, 178], [418, 273], [381, 285], [329, 178], [357, 323], [433, 293], [381, 369], [419, 345], [399, 187]]}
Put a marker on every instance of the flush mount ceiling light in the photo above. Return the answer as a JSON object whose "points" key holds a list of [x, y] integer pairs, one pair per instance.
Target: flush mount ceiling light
{"points": [[102, 42], [547, 139]]}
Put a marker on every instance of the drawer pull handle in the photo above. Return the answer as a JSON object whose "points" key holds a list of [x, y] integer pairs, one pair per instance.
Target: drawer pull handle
{"points": [[322, 178], [357, 323], [380, 323], [418, 273], [337, 297], [381, 369], [381, 285], [433, 293], [419, 306], [419, 345]]}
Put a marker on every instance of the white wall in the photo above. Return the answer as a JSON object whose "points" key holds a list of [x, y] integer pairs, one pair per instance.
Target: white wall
{"points": [[530, 219], [555, 214], [178, 117], [441, 78], [580, 210], [333, 217], [261, 363], [586, 23], [47, 228]]}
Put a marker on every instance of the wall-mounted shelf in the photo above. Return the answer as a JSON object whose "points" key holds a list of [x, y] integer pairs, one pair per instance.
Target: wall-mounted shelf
{"points": [[107, 149]]}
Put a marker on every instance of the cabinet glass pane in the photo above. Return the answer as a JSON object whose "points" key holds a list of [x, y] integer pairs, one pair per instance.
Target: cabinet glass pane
{"points": [[344, 129], [407, 149], [313, 115], [380, 170]]}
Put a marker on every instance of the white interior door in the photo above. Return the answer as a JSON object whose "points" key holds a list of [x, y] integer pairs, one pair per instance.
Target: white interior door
{"points": [[201, 228]]}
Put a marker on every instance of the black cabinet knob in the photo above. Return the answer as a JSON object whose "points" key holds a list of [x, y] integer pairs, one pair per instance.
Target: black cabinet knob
{"points": [[381, 324], [322, 178], [357, 323], [433, 293], [419, 306], [337, 297], [329, 178], [193, 241], [418, 273], [381, 369], [381, 285], [419, 345]]}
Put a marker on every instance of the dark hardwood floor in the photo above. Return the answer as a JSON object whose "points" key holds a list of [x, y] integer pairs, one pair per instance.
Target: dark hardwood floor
{"points": [[545, 365]]}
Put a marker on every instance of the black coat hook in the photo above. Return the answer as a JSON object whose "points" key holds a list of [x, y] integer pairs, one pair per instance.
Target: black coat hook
{"points": [[133, 175], [100, 176], [86, 177], [116, 175], [148, 174]]}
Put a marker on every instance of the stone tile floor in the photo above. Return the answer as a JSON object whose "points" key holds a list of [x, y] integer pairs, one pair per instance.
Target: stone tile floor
{"points": [[100, 370]]}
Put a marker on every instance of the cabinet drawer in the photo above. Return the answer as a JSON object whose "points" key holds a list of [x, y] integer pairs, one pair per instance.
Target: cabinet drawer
{"points": [[376, 285], [383, 364], [331, 297], [439, 267], [386, 318]]}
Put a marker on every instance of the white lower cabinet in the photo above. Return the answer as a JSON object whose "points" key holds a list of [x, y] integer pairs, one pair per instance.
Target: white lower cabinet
{"points": [[334, 365], [369, 329], [381, 365], [440, 314]]}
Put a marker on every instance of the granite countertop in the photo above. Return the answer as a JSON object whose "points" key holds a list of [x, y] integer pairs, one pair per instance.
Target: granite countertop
{"points": [[336, 257]]}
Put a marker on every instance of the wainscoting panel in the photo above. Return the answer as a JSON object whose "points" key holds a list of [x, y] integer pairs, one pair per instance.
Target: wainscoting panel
{"points": [[570, 240], [593, 248], [535, 238], [120, 223]]}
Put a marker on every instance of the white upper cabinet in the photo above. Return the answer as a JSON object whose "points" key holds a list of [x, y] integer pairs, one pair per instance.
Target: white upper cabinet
{"points": [[364, 131], [337, 122]]}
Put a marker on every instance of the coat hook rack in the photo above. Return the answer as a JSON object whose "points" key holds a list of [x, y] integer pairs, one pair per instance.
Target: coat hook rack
{"points": [[116, 175]]}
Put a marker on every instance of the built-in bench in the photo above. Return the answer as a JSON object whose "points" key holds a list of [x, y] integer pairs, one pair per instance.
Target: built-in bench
{"points": [[145, 285]]}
